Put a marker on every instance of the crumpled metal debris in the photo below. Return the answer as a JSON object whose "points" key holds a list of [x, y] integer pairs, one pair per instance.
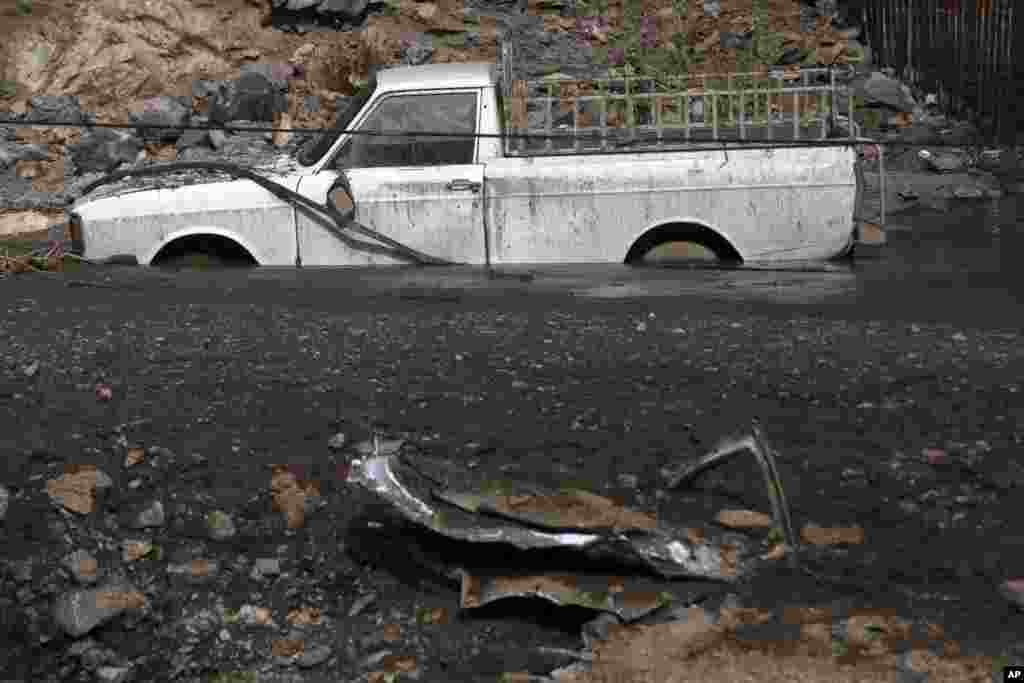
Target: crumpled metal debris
{"points": [[528, 517], [627, 597]]}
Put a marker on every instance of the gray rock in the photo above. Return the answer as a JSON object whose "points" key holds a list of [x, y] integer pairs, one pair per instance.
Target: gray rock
{"points": [[162, 111], [312, 104], [712, 8], [220, 525], [418, 50], [115, 674], [942, 162], [277, 75], [265, 567], [150, 516], [881, 89], [253, 97], [337, 442], [11, 153], [197, 571], [217, 138], [5, 501], [733, 41], [598, 628], [81, 563], [793, 55], [808, 19], [79, 611], [314, 657], [104, 149], [346, 9], [968, 192], [57, 108], [192, 138], [295, 5], [629, 481]]}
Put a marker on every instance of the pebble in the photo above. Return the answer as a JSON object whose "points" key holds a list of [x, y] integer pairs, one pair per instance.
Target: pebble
{"points": [[79, 611], [314, 657]]}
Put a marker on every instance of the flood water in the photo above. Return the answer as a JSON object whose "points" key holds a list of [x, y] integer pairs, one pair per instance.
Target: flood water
{"points": [[960, 266]]}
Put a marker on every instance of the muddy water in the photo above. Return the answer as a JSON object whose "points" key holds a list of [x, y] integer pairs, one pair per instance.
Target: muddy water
{"points": [[962, 266]]}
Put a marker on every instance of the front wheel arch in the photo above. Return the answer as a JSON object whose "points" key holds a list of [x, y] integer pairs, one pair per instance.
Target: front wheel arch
{"points": [[696, 233]]}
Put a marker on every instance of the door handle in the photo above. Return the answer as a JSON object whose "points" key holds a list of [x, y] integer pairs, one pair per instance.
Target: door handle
{"points": [[463, 184]]}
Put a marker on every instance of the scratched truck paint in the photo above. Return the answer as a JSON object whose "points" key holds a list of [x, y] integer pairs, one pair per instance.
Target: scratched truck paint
{"points": [[470, 200]]}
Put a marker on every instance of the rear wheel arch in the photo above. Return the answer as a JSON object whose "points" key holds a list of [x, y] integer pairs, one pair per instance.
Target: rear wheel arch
{"points": [[683, 231], [221, 248]]}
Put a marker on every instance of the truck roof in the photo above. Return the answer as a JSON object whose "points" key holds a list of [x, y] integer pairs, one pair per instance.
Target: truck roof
{"points": [[430, 76]]}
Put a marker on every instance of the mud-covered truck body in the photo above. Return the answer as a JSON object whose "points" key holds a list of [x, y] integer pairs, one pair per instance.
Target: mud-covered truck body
{"points": [[472, 189]]}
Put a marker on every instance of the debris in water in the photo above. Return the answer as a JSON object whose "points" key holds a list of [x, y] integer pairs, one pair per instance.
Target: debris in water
{"points": [[756, 444], [529, 517]]}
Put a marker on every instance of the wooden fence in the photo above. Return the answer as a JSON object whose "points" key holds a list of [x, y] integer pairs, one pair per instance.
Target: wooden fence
{"points": [[969, 52]]}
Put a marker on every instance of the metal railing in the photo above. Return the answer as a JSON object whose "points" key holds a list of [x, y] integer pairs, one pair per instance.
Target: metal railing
{"points": [[639, 112]]}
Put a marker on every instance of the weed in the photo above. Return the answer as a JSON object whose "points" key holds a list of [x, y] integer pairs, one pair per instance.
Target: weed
{"points": [[873, 632], [8, 89], [232, 677], [23, 8], [216, 519]]}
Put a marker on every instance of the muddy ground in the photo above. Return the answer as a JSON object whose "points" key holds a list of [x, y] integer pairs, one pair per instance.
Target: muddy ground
{"points": [[908, 428]]}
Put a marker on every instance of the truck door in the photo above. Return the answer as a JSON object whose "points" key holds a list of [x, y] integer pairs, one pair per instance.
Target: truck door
{"points": [[424, 191]]}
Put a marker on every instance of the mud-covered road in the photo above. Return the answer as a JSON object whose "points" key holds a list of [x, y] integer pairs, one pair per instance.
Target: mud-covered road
{"points": [[892, 392]]}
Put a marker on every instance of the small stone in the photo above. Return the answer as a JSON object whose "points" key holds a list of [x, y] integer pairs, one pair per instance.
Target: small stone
{"points": [[361, 604], [220, 524], [83, 566], [314, 657], [5, 501], [79, 611], [629, 481], [265, 567], [115, 674], [31, 369], [151, 516], [337, 442]]}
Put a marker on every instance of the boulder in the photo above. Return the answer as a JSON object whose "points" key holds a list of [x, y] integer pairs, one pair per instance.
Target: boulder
{"points": [[881, 89], [253, 97], [345, 9], [104, 149], [417, 49], [11, 153], [172, 112], [57, 108]]}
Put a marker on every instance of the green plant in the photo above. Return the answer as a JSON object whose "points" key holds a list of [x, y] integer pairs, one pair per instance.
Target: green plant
{"points": [[768, 46], [872, 119], [232, 677], [23, 8], [873, 632], [776, 535], [839, 648], [8, 89], [453, 40], [217, 519]]}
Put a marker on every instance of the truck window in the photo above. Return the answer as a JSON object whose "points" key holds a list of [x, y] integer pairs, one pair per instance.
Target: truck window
{"points": [[444, 112]]}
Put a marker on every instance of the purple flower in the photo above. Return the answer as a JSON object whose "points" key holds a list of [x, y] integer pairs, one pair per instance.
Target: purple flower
{"points": [[408, 40], [617, 56]]}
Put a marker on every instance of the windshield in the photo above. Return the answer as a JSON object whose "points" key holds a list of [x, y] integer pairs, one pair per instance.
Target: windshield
{"points": [[315, 148]]}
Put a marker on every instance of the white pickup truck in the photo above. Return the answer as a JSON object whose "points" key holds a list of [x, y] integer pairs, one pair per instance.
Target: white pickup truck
{"points": [[472, 198]]}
